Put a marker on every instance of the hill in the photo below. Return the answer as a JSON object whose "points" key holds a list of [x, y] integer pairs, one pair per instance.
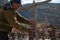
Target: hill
{"points": [[51, 11]]}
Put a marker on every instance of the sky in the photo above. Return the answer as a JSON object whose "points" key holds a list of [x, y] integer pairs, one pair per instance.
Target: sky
{"points": [[31, 1]]}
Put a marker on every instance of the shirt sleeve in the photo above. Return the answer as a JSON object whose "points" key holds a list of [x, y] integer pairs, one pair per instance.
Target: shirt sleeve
{"points": [[22, 19]]}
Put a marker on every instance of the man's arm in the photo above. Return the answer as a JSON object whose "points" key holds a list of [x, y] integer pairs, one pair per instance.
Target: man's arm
{"points": [[22, 19], [9, 16], [36, 4]]}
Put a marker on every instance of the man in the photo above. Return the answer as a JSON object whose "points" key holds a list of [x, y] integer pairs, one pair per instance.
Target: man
{"points": [[8, 20]]}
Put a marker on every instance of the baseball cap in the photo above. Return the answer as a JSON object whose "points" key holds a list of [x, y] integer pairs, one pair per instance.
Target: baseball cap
{"points": [[16, 1]]}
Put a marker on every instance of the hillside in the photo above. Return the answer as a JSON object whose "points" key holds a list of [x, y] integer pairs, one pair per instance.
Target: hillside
{"points": [[50, 10]]}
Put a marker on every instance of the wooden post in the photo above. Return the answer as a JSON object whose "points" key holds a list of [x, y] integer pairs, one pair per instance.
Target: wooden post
{"points": [[53, 33], [35, 22]]}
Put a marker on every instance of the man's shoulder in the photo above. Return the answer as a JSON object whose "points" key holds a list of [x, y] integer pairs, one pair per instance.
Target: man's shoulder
{"points": [[7, 7]]}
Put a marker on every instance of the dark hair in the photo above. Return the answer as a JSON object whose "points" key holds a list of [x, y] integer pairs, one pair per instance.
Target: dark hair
{"points": [[15, 1]]}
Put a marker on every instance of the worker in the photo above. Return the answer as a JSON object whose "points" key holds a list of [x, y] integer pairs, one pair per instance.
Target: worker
{"points": [[7, 18]]}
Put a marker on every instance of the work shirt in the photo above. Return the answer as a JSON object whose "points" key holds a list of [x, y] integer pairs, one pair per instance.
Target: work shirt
{"points": [[7, 17]]}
